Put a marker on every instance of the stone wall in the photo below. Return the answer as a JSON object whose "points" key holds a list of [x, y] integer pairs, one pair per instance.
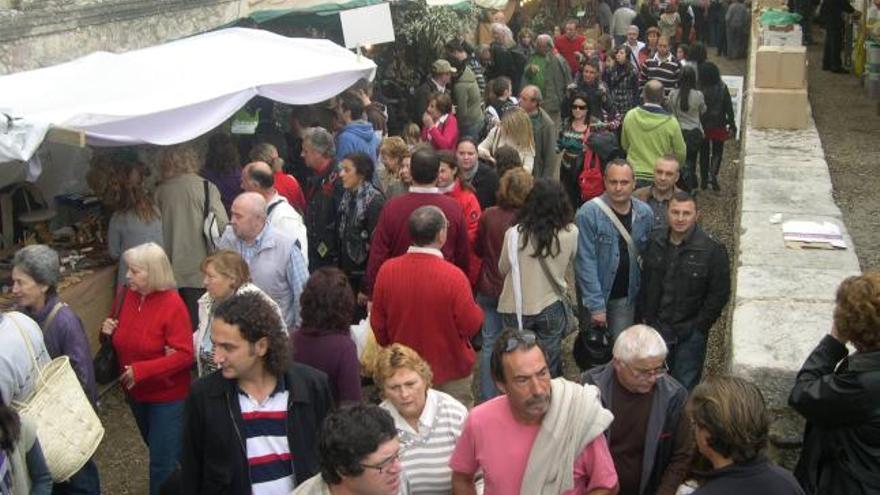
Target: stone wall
{"points": [[39, 33]]}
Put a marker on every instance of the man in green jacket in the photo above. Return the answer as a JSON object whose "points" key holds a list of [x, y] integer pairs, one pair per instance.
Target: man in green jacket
{"points": [[549, 71], [468, 101], [650, 132]]}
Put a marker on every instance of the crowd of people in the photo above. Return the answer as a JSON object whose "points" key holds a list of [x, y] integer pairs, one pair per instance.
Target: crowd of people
{"points": [[457, 237]]}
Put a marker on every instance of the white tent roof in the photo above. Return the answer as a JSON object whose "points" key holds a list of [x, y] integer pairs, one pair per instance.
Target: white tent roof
{"points": [[173, 92]]}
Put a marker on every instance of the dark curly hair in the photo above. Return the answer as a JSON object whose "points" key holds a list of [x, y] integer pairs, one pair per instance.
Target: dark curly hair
{"points": [[327, 301], [546, 212], [350, 434], [733, 412], [10, 427], [857, 313], [255, 318]]}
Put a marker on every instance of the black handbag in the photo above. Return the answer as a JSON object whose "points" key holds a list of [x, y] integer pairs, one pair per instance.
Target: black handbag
{"points": [[593, 346], [106, 362]]}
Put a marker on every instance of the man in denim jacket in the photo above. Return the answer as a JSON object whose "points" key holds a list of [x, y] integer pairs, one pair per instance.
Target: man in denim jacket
{"points": [[607, 274]]}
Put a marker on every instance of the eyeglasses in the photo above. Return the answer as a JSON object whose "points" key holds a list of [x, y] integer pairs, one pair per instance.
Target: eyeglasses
{"points": [[652, 373], [518, 339], [385, 464], [579, 107]]}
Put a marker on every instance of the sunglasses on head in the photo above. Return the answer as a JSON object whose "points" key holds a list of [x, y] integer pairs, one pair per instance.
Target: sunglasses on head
{"points": [[519, 338]]}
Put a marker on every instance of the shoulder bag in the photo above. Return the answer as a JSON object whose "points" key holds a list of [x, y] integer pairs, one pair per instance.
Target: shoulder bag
{"points": [[631, 246], [67, 425], [567, 303], [106, 362], [210, 229], [513, 257], [590, 182]]}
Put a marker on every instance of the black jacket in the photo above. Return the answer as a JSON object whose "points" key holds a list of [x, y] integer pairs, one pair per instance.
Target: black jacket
{"points": [[214, 460], [841, 453], [701, 283], [756, 477], [485, 183], [323, 196]]}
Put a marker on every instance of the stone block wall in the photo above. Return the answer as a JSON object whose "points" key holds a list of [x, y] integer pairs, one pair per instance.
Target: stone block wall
{"points": [[40, 33]]}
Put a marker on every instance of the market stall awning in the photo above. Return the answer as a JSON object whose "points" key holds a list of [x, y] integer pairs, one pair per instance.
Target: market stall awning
{"points": [[173, 92], [266, 10]]}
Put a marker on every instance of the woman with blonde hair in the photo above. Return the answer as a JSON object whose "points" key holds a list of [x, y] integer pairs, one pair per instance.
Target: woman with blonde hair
{"points": [[225, 274], [392, 153], [153, 342], [514, 130], [181, 197], [428, 421]]}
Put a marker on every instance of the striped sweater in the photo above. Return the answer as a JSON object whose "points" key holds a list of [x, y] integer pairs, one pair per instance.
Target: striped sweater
{"points": [[425, 453], [665, 70]]}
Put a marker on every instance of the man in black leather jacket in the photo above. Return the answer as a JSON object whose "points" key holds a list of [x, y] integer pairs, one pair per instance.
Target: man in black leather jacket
{"points": [[686, 283]]}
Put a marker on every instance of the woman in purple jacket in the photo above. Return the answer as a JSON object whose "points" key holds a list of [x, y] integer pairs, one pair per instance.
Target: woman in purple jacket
{"points": [[36, 272]]}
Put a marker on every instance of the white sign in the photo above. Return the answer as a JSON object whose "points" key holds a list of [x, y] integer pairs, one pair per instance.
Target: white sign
{"points": [[367, 25], [735, 86]]}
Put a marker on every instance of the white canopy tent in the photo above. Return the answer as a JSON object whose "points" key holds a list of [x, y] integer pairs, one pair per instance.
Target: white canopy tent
{"points": [[170, 93]]}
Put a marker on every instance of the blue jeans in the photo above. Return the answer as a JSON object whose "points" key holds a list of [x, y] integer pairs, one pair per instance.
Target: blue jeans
{"points": [[85, 482], [686, 359], [491, 329], [619, 315], [160, 425], [549, 327]]}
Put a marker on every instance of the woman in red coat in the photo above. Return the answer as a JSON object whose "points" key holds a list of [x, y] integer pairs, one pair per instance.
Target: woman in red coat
{"points": [[439, 125], [449, 181], [153, 340]]}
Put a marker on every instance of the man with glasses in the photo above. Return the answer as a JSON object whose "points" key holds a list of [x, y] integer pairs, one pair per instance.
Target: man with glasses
{"points": [[544, 131], [542, 436], [686, 285], [360, 455], [650, 437]]}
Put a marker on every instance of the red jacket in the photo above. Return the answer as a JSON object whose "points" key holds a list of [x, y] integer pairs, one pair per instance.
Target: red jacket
{"points": [[424, 302], [288, 187], [443, 136], [569, 48], [470, 205], [391, 236], [145, 328]]}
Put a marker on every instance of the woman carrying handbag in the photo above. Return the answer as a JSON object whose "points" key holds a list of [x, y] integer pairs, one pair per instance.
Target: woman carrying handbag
{"points": [[537, 253]]}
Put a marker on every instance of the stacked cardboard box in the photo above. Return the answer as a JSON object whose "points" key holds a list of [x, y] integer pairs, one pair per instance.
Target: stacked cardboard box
{"points": [[780, 95]]}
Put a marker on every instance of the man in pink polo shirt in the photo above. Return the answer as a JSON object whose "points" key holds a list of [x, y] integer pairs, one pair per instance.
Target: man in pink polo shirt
{"points": [[541, 437]]}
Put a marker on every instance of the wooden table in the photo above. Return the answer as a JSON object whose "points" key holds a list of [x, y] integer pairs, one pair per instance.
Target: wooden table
{"points": [[91, 300]]}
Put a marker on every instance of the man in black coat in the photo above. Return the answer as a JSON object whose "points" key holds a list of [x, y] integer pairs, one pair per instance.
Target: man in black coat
{"points": [[253, 423], [831, 13], [686, 283]]}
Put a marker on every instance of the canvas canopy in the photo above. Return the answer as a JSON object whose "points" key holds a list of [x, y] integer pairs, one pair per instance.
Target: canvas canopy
{"points": [[170, 93]]}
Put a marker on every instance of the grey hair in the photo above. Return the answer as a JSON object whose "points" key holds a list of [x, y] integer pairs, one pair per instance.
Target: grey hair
{"points": [[639, 342], [40, 262], [546, 38], [633, 27], [320, 139], [254, 202], [536, 90], [506, 33], [425, 223]]}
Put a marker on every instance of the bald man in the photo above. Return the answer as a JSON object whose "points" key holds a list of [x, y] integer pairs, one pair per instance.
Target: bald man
{"points": [[276, 263], [259, 177]]}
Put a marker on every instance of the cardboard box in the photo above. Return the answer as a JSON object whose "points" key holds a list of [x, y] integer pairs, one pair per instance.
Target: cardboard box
{"points": [[773, 36], [781, 67], [780, 108]]}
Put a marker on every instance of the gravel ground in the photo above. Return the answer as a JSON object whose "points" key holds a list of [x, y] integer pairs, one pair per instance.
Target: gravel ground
{"points": [[122, 457]]}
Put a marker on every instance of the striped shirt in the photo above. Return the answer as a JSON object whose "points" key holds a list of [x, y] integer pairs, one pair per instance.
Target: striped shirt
{"points": [[425, 454], [268, 452], [666, 71]]}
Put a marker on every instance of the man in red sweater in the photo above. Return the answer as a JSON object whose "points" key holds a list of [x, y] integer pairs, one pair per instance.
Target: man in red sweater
{"points": [[570, 44], [392, 237], [422, 301]]}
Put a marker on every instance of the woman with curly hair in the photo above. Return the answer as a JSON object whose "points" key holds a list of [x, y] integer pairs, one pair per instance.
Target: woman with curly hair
{"points": [[536, 255], [136, 218], [323, 342], [838, 392], [514, 130]]}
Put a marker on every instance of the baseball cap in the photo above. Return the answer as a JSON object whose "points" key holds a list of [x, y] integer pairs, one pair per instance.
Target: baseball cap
{"points": [[442, 66]]}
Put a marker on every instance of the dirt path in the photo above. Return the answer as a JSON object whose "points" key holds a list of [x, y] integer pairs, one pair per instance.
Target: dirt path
{"points": [[849, 126]]}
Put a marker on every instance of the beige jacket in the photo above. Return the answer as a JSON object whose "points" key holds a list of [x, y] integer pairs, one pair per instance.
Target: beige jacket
{"points": [[181, 202]]}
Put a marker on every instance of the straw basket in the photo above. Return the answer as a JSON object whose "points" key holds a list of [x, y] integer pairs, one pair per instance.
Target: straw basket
{"points": [[67, 426]]}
